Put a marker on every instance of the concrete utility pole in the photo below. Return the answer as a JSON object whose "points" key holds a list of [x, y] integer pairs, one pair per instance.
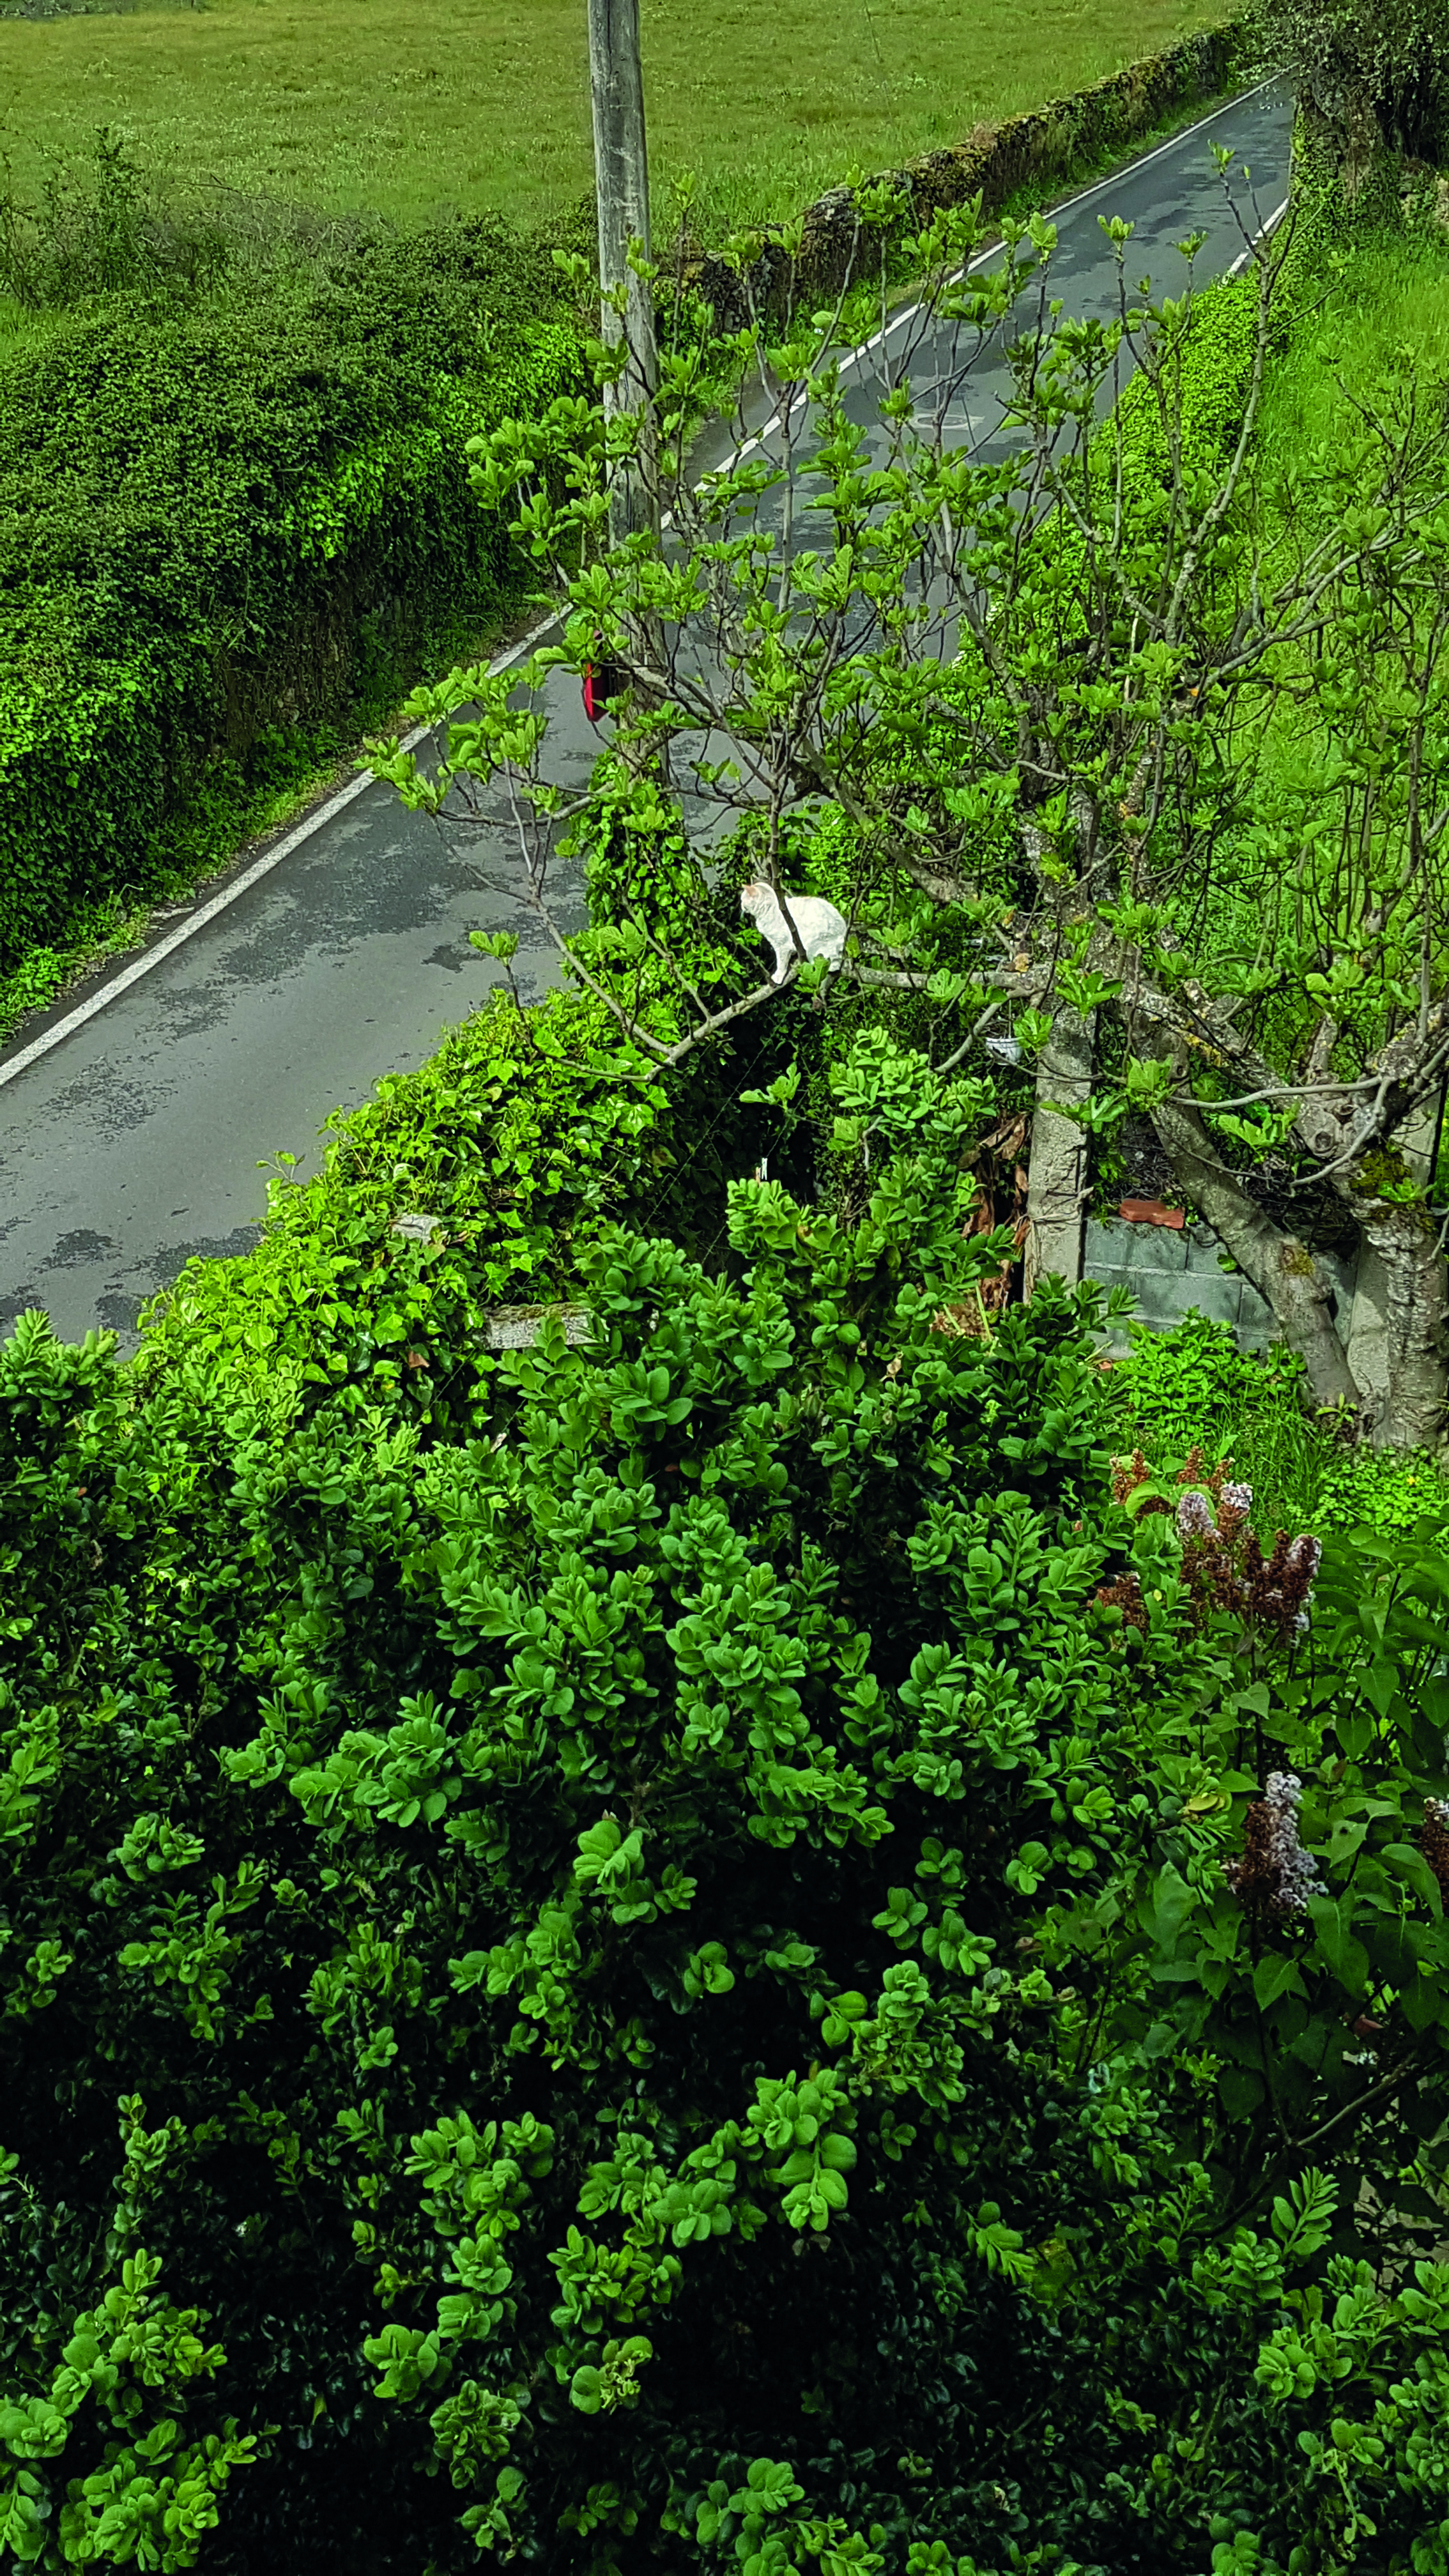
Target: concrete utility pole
{"points": [[1056, 1197], [621, 168]]}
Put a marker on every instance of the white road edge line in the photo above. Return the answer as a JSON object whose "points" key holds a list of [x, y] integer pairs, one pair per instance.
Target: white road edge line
{"points": [[206, 913], [219, 903], [983, 258], [1261, 235]]}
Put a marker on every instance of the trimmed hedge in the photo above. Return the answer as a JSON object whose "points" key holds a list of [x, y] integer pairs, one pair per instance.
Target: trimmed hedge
{"points": [[212, 517], [1211, 374]]}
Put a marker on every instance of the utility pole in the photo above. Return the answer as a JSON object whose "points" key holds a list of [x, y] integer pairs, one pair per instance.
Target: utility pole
{"points": [[1056, 1197], [621, 168]]}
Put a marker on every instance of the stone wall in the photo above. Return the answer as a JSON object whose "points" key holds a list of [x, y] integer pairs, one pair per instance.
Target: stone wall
{"points": [[1041, 152]]}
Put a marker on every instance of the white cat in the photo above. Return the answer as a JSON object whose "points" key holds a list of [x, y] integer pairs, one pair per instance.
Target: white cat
{"points": [[822, 929]]}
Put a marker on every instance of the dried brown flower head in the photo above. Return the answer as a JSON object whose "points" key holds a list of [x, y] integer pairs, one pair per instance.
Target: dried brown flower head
{"points": [[1277, 1589], [1223, 1564], [1275, 1876], [1434, 1841], [1125, 1594], [1212, 1479]]}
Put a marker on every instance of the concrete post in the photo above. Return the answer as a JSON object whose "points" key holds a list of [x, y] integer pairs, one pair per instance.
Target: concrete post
{"points": [[1056, 1197], [621, 171]]}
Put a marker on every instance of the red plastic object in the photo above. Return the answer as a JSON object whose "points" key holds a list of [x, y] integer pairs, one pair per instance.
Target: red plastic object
{"points": [[1150, 1212]]}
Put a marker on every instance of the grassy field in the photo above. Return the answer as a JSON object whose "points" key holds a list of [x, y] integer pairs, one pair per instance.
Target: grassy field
{"points": [[407, 107]]}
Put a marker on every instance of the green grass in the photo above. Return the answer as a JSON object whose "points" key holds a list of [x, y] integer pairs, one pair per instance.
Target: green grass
{"points": [[1373, 317], [403, 107], [1389, 301], [1364, 324], [1362, 321]]}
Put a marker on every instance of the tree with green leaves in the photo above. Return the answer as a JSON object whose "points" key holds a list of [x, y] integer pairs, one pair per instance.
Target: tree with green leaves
{"points": [[1371, 79], [1128, 739]]}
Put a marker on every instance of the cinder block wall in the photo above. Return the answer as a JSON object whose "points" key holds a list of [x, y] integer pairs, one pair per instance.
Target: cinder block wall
{"points": [[1171, 1271]]}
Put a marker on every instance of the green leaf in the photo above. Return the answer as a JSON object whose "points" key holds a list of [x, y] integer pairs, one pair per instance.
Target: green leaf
{"points": [[1344, 1954], [1408, 1863], [1171, 1900], [1276, 1974]]}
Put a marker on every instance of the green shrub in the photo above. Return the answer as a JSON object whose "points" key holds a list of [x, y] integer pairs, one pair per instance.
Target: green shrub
{"points": [[510, 1154], [1195, 1384], [1204, 390], [514, 1144], [106, 232], [1193, 1387], [235, 1529], [666, 1955], [220, 514]]}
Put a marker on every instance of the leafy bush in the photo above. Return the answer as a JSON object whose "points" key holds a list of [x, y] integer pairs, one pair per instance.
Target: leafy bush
{"points": [[465, 1185], [1194, 1386], [102, 235], [661, 1944], [1209, 376], [223, 512], [215, 1531], [1361, 69], [477, 1181]]}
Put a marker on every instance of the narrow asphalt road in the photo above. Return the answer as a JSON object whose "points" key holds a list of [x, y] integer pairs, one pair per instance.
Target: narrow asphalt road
{"points": [[136, 1140]]}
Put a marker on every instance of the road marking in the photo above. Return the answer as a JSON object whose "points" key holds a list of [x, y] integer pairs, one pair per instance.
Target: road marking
{"points": [[1261, 235], [206, 913], [11, 1067]]}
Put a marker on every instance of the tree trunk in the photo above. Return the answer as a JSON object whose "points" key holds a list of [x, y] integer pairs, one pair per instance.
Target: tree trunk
{"points": [[1281, 1268], [1411, 1267]]}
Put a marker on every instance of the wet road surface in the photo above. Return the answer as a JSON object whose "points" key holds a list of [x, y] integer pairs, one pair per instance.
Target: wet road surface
{"points": [[135, 1142]]}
